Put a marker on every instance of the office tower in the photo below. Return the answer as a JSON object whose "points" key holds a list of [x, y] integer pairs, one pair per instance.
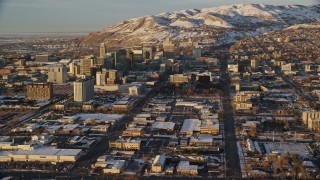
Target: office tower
{"points": [[101, 79], [168, 49], [130, 58], [85, 67], [137, 55], [57, 75], [74, 69], [110, 60], [112, 76], [121, 62], [100, 61], [148, 52], [83, 90], [40, 91], [93, 71], [102, 50]]}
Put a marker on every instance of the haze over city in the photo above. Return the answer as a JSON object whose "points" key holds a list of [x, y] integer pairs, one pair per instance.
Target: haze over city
{"points": [[86, 16]]}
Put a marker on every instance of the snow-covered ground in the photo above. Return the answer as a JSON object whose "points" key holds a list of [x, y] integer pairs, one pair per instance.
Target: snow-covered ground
{"points": [[239, 21]]}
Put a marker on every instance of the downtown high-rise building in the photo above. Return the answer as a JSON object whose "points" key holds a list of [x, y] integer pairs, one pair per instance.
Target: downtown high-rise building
{"points": [[74, 69], [83, 90], [57, 75], [86, 66], [102, 50], [110, 60], [168, 49], [148, 52], [121, 63], [101, 78]]}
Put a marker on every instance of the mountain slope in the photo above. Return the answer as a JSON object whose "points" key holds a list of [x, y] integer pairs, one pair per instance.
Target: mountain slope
{"points": [[218, 25]]}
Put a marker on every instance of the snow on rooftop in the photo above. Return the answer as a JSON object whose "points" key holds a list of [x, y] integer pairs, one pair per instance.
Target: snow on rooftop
{"points": [[202, 139], [292, 148], [49, 151], [185, 165], [163, 125], [143, 115], [209, 124], [70, 126], [159, 159], [102, 117], [190, 125]]}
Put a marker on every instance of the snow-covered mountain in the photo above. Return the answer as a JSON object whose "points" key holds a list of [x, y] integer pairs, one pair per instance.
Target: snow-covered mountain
{"points": [[223, 24]]}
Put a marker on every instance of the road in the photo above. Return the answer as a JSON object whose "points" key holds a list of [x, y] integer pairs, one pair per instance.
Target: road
{"points": [[84, 164], [295, 87], [30, 116], [114, 132], [231, 149]]}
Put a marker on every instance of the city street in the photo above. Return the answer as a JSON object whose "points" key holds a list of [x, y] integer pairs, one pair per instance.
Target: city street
{"points": [[231, 150]]}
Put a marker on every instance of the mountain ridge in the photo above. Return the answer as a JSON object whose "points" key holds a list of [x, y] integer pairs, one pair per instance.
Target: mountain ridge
{"points": [[224, 24]]}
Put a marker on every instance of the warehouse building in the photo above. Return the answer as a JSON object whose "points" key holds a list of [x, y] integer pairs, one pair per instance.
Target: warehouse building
{"points": [[46, 154]]}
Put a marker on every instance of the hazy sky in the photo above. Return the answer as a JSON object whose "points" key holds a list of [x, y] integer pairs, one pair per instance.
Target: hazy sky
{"points": [[93, 15]]}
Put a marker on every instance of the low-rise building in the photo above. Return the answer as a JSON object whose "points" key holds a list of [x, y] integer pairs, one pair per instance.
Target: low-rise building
{"points": [[184, 168], [114, 166], [133, 89], [201, 141], [123, 105], [47, 154], [209, 127], [40, 91], [125, 144], [169, 126], [158, 164], [189, 126], [179, 78], [130, 131], [243, 106]]}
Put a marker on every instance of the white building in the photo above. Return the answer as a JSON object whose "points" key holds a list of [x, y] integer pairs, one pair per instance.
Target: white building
{"points": [[100, 79], [46, 154], [102, 50], [168, 49], [133, 89], [83, 90], [57, 75], [169, 126], [189, 126]]}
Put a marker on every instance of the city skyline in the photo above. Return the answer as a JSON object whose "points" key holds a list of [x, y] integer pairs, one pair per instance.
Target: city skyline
{"points": [[204, 89], [74, 16]]}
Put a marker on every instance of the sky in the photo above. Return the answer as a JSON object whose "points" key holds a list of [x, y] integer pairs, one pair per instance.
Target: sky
{"points": [[18, 16]]}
